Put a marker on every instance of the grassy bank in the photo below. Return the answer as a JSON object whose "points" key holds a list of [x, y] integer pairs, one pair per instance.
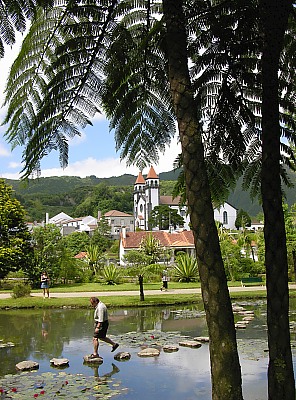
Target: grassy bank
{"points": [[121, 301], [101, 287]]}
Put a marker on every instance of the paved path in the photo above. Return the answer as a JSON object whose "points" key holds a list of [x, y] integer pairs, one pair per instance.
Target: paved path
{"points": [[136, 292]]}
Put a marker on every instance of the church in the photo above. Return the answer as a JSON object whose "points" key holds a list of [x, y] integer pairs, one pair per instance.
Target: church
{"points": [[147, 196]]}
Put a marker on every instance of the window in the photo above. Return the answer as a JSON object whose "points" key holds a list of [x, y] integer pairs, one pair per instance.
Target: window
{"points": [[225, 218], [141, 208]]}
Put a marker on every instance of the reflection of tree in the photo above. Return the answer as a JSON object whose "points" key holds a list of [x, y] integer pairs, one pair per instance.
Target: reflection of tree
{"points": [[23, 328]]}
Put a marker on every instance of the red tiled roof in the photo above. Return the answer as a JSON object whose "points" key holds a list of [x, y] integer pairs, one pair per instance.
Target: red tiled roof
{"points": [[169, 200], [152, 174], [140, 179], [115, 213], [82, 254], [166, 239]]}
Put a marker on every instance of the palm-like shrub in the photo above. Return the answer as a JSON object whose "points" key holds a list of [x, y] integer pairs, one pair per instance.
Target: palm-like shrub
{"points": [[186, 269], [111, 274]]}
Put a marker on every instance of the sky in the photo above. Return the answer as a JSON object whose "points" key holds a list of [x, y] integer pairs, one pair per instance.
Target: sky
{"points": [[93, 153]]}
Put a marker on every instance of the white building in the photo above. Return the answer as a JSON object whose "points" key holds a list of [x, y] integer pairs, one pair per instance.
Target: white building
{"points": [[118, 220], [147, 196], [69, 225]]}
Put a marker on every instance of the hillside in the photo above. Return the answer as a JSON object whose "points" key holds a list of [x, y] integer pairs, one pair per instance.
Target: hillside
{"points": [[80, 196]]}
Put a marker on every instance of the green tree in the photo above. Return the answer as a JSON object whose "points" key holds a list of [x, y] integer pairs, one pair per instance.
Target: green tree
{"points": [[15, 239], [274, 19], [14, 18], [102, 240], [231, 254], [137, 259], [76, 242], [94, 255], [48, 250], [165, 217], [68, 269], [242, 219], [168, 50], [151, 246], [103, 227]]}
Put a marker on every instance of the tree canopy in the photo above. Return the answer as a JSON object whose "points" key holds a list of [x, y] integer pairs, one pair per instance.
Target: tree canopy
{"points": [[131, 59], [15, 239]]}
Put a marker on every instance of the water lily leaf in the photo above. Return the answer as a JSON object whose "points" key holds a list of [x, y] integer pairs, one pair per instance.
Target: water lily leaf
{"points": [[30, 385]]}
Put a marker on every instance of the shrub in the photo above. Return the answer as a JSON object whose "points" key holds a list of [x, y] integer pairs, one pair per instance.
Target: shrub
{"points": [[21, 290], [186, 269], [111, 274]]}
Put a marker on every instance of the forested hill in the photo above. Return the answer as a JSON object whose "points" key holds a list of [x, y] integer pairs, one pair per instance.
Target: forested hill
{"points": [[85, 196], [65, 184]]}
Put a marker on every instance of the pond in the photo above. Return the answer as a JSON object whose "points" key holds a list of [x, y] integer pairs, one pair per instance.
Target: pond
{"points": [[41, 335]]}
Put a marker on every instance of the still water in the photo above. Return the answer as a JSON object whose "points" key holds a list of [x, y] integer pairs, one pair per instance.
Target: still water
{"points": [[40, 335]]}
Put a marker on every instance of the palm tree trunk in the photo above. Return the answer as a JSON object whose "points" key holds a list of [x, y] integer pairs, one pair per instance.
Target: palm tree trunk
{"points": [[141, 279], [281, 383], [225, 367]]}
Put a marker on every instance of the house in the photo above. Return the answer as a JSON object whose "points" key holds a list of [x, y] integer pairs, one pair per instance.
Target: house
{"points": [[176, 242], [256, 226], [57, 219], [118, 220], [82, 224], [69, 225], [147, 197]]}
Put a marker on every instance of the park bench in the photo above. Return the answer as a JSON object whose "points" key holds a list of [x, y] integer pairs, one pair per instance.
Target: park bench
{"points": [[252, 280]]}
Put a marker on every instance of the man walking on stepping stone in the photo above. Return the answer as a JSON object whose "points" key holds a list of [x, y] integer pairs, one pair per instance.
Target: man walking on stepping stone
{"points": [[101, 326]]}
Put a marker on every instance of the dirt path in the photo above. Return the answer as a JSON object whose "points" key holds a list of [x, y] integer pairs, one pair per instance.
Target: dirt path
{"points": [[136, 292]]}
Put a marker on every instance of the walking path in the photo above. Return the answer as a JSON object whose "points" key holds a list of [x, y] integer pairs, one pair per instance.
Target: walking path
{"points": [[136, 292]]}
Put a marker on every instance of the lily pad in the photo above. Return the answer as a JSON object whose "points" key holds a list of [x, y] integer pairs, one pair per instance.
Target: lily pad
{"points": [[51, 385]]}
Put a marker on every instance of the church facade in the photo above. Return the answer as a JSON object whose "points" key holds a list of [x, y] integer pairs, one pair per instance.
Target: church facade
{"points": [[147, 196]]}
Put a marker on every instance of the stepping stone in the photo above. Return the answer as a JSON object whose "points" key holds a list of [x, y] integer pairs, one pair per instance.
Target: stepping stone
{"points": [[4, 345], [90, 360], [60, 362], [237, 308], [202, 339], [170, 348], [246, 312], [122, 356], [249, 318], [149, 352], [240, 326], [190, 343], [27, 365]]}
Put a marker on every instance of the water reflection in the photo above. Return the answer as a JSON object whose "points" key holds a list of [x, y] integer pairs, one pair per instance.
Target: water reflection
{"points": [[96, 374], [181, 375], [45, 326]]}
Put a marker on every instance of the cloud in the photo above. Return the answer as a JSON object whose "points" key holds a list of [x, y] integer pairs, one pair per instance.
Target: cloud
{"points": [[90, 166], [3, 151], [14, 165], [77, 139], [105, 168]]}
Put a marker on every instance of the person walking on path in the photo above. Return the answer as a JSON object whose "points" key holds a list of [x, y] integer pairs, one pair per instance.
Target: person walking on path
{"points": [[165, 279], [45, 283], [101, 326]]}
